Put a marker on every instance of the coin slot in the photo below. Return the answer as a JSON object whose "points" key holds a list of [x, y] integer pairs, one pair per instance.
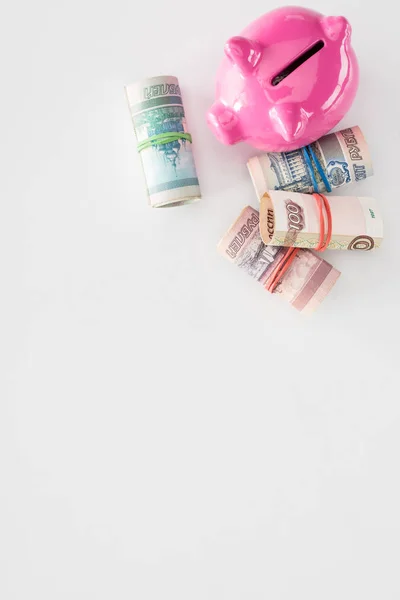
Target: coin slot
{"points": [[297, 62]]}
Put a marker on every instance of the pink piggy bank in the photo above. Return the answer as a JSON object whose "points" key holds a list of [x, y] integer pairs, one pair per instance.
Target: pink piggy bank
{"points": [[285, 81]]}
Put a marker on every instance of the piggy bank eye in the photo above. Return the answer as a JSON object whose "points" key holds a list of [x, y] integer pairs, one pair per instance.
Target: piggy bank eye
{"points": [[297, 62]]}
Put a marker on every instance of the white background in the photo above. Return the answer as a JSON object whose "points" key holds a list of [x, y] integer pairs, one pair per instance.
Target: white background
{"points": [[168, 430]]}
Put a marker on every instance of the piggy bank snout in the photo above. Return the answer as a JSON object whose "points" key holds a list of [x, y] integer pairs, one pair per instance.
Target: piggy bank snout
{"points": [[288, 121], [224, 123]]}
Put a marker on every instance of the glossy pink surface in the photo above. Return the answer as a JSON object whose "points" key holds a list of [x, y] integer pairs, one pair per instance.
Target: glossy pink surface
{"points": [[301, 107]]}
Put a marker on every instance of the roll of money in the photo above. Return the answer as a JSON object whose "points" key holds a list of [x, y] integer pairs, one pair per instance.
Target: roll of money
{"points": [[164, 142], [304, 285], [342, 156], [293, 219]]}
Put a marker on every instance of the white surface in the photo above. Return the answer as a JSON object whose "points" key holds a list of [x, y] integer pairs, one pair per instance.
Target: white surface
{"points": [[167, 429]]}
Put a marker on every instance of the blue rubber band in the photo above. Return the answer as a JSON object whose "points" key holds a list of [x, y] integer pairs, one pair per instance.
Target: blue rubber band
{"points": [[320, 170], [309, 166]]}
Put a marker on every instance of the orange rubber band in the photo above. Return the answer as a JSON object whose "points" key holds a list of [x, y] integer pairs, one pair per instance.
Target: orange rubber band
{"points": [[279, 271], [324, 239]]}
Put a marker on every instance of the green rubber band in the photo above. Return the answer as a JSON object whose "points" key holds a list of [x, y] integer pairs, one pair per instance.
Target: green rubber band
{"points": [[163, 138]]}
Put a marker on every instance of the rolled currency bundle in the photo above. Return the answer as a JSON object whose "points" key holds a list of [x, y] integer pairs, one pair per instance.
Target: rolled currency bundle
{"points": [[299, 220], [332, 161], [164, 143], [301, 277]]}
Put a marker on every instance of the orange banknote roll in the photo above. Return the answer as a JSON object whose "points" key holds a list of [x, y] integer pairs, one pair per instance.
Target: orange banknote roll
{"points": [[299, 276]]}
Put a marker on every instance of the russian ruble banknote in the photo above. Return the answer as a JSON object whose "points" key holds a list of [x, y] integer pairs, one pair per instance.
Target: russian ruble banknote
{"points": [[306, 282], [293, 219], [343, 156], [164, 141]]}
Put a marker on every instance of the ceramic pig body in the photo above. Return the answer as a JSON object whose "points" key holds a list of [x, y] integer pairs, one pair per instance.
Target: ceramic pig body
{"points": [[287, 80]]}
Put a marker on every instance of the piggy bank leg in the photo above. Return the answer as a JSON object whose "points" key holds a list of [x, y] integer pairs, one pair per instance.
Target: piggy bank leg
{"points": [[224, 123], [289, 120]]}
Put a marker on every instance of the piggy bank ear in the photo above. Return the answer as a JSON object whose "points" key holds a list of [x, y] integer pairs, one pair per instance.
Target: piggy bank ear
{"points": [[224, 123], [243, 53], [335, 28]]}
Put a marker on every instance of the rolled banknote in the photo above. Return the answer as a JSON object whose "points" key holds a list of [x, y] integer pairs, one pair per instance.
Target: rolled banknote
{"points": [[342, 156], [293, 219], [164, 142], [306, 282]]}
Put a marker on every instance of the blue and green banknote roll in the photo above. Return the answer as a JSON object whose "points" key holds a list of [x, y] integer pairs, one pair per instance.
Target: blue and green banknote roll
{"points": [[333, 161], [163, 141]]}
